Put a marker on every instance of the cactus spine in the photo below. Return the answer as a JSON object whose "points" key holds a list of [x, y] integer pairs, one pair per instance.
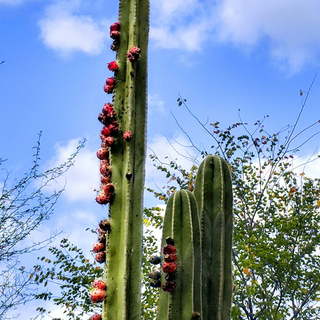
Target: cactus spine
{"points": [[201, 226], [127, 159], [181, 223], [213, 191]]}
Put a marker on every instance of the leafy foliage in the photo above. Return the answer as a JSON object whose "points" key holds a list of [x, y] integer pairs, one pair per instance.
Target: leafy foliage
{"points": [[24, 205]]}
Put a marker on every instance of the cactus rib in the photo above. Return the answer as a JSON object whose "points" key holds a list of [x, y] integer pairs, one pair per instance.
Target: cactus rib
{"points": [[214, 197]]}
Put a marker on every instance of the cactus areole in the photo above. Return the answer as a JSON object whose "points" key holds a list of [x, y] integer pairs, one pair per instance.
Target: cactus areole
{"points": [[127, 85]]}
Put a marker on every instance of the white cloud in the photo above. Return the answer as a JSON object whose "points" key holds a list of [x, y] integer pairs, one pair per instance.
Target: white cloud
{"points": [[82, 179], [289, 27], [67, 32], [155, 104]]}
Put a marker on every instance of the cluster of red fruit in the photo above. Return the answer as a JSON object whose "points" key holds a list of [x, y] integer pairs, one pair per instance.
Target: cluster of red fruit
{"points": [[100, 246], [110, 127], [98, 294], [169, 265]]}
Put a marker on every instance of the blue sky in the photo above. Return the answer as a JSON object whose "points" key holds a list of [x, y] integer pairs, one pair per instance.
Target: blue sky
{"points": [[220, 55]]}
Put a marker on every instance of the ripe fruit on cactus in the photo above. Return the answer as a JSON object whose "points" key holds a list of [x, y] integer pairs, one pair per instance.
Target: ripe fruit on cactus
{"points": [[102, 198], [98, 247], [108, 89], [105, 170], [169, 249], [169, 286], [108, 110], [169, 267], [113, 65], [99, 284], [170, 257], [105, 132], [100, 257], [107, 142], [97, 295], [96, 317], [133, 54], [115, 26], [103, 154], [127, 135], [105, 225]]}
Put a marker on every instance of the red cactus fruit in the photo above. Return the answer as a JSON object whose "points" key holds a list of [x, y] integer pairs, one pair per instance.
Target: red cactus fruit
{"points": [[99, 284], [105, 131], [107, 142], [169, 286], [168, 249], [108, 89], [102, 198], [114, 35], [108, 188], [111, 81], [97, 295], [108, 110], [115, 26], [133, 54], [105, 170], [105, 179], [170, 257], [98, 247], [96, 317], [113, 65], [169, 267], [100, 257], [127, 135], [103, 154]]}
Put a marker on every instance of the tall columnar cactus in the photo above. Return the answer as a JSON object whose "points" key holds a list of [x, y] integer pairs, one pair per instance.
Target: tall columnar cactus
{"points": [[181, 293], [201, 226], [123, 160], [213, 191]]}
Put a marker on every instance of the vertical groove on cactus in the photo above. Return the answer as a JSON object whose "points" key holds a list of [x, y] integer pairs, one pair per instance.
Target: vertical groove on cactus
{"points": [[123, 265], [181, 223], [213, 192]]}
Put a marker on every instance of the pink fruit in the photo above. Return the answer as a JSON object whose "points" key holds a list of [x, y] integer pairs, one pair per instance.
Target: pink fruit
{"points": [[111, 81], [103, 154], [96, 317], [169, 267], [114, 35], [113, 65], [108, 110], [105, 131], [100, 257], [98, 247], [97, 295], [102, 198], [113, 126], [127, 135], [108, 89], [107, 142], [99, 284], [105, 179], [133, 54], [108, 188], [102, 238], [105, 170], [115, 26]]}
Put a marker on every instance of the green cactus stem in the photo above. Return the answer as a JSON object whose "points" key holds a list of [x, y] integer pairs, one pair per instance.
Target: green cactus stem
{"points": [[181, 223], [213, 191], [127, 160]]}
